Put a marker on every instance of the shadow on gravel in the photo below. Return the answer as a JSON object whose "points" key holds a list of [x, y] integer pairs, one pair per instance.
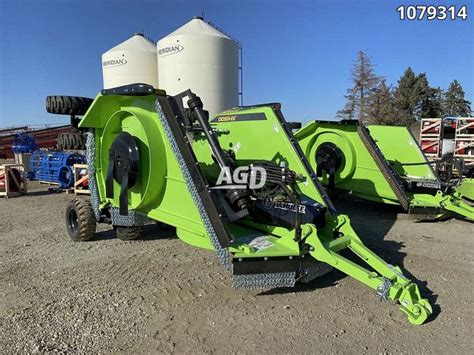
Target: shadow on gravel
{"points": [[426, 293], [371, 221], [158, 231], [150, 232], [104, 235]]}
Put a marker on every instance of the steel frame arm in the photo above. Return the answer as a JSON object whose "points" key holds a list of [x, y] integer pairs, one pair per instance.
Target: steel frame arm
{"points": [[387, 280]]}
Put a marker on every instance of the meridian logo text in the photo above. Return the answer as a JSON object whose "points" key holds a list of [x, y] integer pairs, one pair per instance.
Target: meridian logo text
{"points": [[253, 177], [170, 50], [114, 62]]}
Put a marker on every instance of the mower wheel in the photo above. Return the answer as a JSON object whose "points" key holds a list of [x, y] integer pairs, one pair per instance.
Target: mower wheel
{"points": [[68, 105], [80, 220], [128, 233], [71, 141]]}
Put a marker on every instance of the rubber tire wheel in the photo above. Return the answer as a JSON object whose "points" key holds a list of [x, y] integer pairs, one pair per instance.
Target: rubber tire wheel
{"points": [[128, 233], [60, 141], [71, 141], [68, 105], [80, 220]]}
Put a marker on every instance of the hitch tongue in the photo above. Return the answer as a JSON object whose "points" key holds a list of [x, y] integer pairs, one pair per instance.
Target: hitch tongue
{"points": [[416, 308], [387, 280], [454, 203]]}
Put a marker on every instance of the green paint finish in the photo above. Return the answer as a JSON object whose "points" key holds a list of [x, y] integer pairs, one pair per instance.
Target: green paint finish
{"points": [[401, 150], [467, 188], [398, 287], [360, 174], [255, 140], [161, 192]]}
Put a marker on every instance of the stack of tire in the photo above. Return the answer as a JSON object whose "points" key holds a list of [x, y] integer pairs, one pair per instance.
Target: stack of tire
{"points": [[71, 141], [73, 106]]}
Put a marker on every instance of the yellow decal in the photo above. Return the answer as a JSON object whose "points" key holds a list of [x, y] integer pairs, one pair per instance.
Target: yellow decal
{"points": [[226, 118]]}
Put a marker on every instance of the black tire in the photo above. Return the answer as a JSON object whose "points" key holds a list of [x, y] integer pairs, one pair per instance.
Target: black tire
{"points": [[60, 141], [128, 233], [75, 141], [68, 105], [71, 141], [80, 220]]}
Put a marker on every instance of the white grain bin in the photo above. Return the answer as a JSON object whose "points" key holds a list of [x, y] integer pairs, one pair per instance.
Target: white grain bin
{"points": [[132, 61], [199, 57]]}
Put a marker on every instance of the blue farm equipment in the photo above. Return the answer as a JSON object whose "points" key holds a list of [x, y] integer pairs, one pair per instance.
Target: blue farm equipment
{"points": [[55, 167], [22, 147], [24, 143]]}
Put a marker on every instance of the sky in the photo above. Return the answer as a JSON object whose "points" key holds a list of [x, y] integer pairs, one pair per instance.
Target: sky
{"points": [[295, 52]]}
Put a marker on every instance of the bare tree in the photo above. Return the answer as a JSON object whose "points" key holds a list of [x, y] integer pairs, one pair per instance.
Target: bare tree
{"points": [[365, 83]]}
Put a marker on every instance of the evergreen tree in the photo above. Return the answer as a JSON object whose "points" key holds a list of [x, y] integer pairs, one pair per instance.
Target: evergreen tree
{"points": [[405, 97], [381, 106], [455, 105], [365, 83], [429, 100]]}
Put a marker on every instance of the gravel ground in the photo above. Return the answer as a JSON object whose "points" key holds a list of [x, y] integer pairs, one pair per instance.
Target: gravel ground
{"points": [[161, 295]]}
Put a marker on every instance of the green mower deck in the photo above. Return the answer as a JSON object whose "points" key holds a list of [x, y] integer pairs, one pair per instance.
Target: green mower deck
{"points": [[152, 160], [382, 164], [414, 164]]}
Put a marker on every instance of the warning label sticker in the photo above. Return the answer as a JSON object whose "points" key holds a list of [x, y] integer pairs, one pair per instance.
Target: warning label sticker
{"points": [[261, 243]]}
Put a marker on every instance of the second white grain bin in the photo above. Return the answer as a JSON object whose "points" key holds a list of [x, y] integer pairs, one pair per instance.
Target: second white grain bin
{"points": [[199, 57], [130, 62]]}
